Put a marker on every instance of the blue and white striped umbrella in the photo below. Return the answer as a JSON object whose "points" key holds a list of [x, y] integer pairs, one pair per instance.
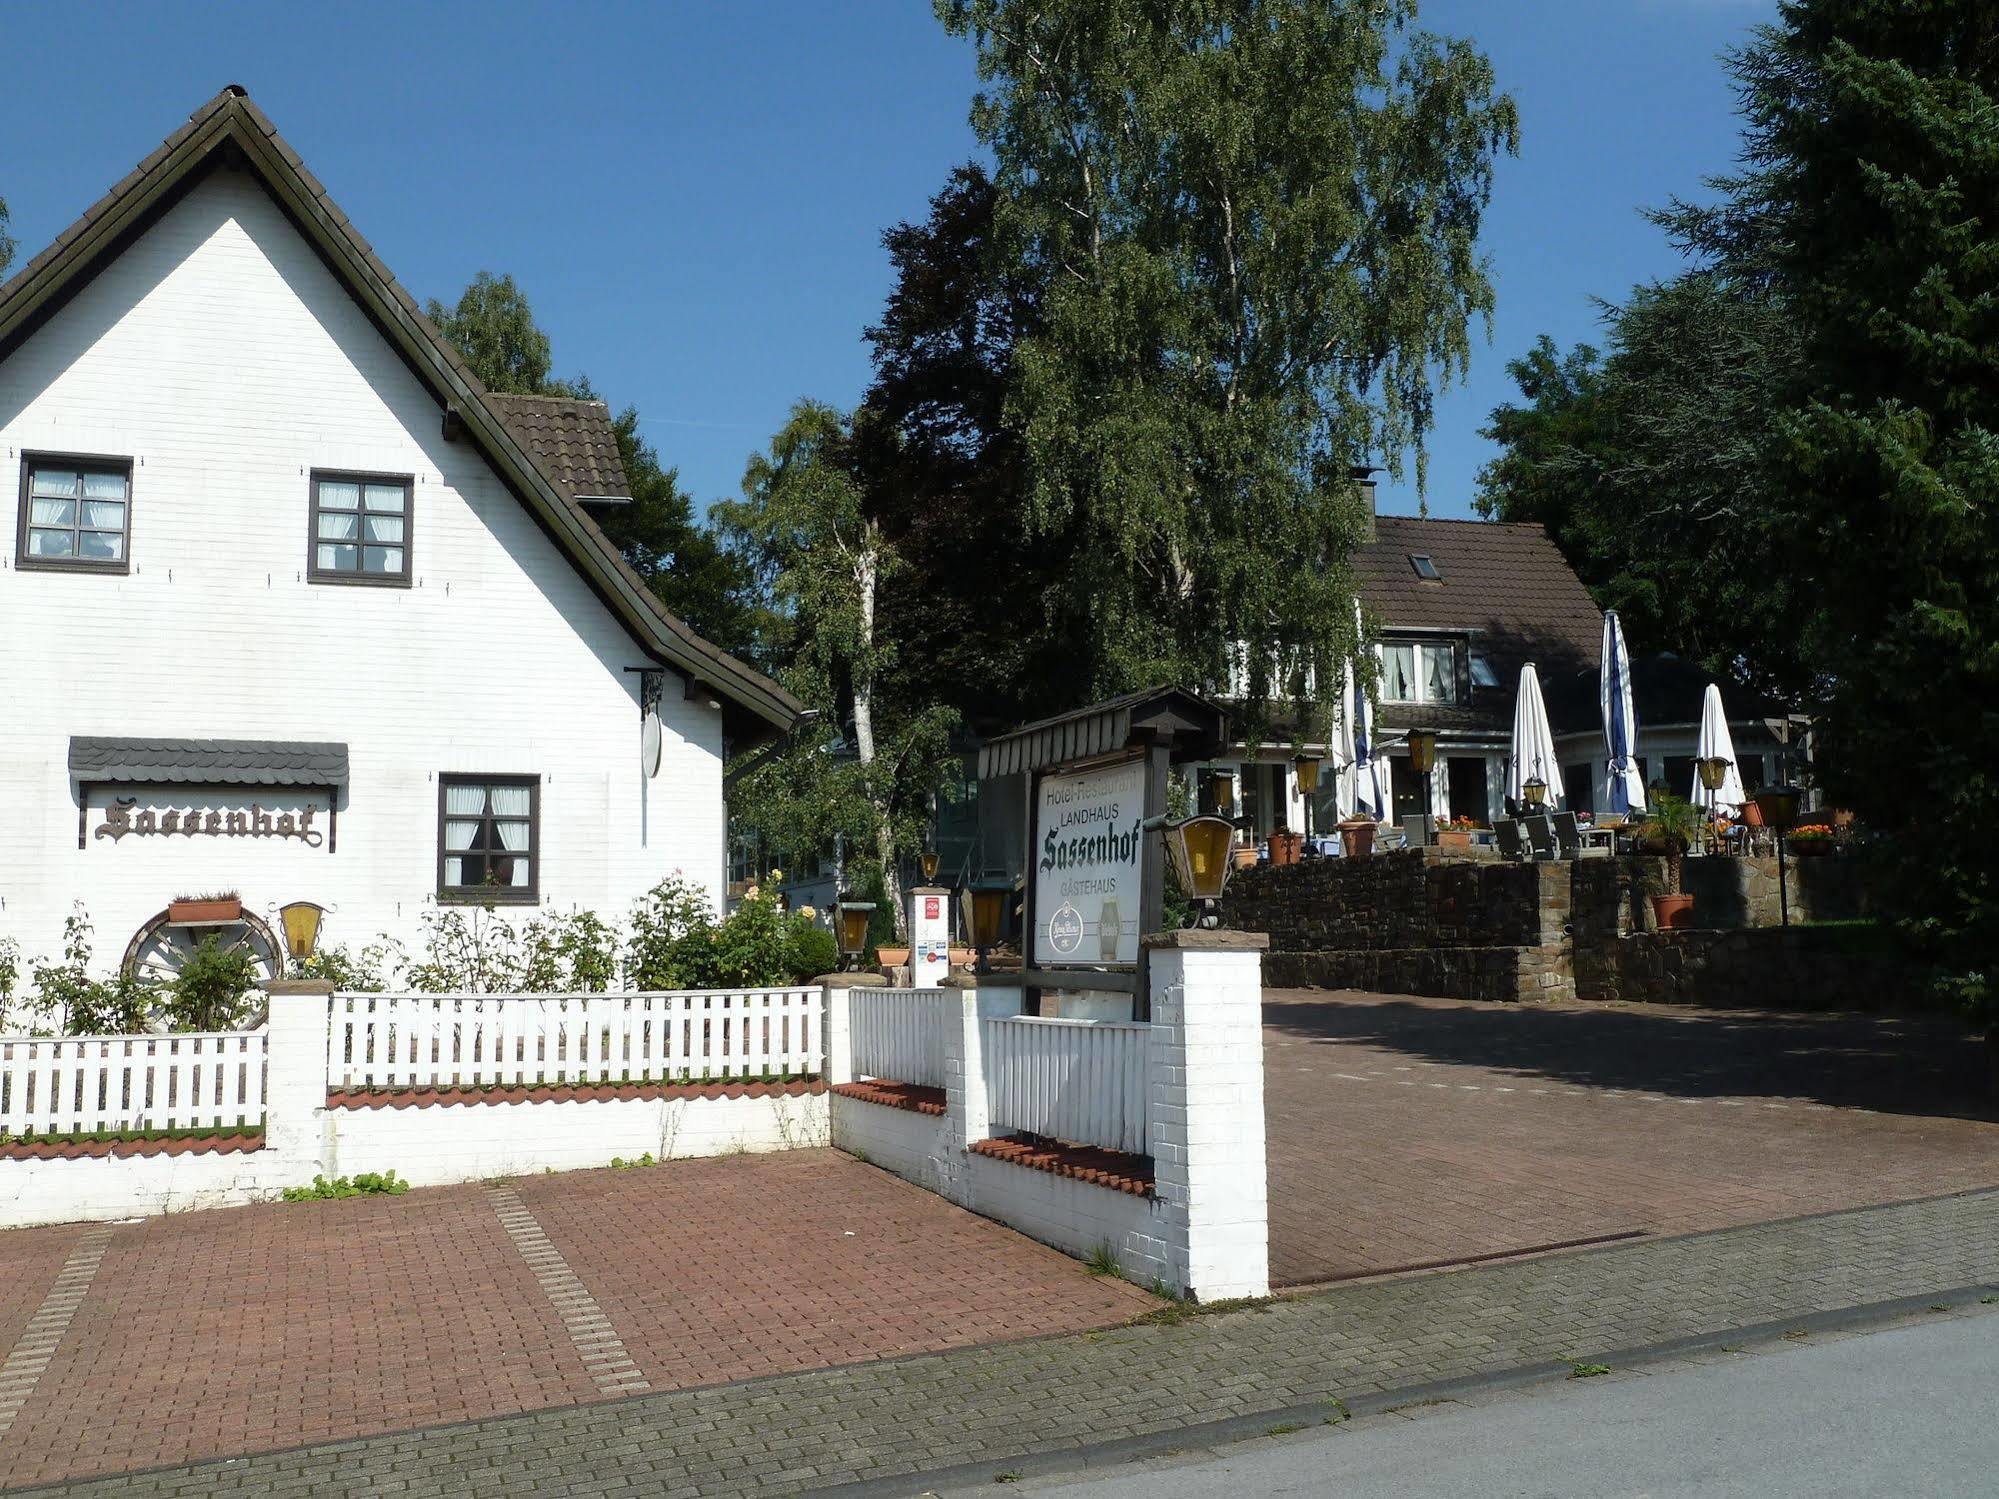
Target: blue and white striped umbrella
{"points": [[1624, 786]]}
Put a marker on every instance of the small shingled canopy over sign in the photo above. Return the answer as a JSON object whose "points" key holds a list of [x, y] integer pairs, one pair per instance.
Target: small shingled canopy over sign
{"points": [[97, 759], [1195, 728]]}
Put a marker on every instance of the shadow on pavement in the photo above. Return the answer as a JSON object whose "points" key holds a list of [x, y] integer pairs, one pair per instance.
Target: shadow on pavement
{"points": [[1919, 1064]]}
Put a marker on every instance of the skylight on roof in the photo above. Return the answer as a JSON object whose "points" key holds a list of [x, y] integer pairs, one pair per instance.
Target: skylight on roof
{"points": [[1425, 568]]}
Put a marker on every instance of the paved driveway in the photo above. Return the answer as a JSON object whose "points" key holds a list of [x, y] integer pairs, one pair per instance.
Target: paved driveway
{"points": [[218, 1333], [1410, 1132]]}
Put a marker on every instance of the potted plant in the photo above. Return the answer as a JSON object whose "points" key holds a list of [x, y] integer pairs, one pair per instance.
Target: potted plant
{"points": [[1456, 833], [1286, 846], [1357, 836], [217, 909], [1671, 829], [1813, 840]]}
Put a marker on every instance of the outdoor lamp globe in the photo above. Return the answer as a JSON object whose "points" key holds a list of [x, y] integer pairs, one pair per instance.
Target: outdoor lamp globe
{"points": [[1422, 751], [929, 862], [1535, 790], [1714, 771], [1200, 850], [988, 911], [850, 928], [1779, 806]]}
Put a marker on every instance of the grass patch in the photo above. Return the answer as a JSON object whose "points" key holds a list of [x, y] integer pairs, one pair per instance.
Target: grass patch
{"points": [[365, 1184], [1103, 1261], [1178, 1310], [1283, 1429], [95, 1136], [1587, 1371]]}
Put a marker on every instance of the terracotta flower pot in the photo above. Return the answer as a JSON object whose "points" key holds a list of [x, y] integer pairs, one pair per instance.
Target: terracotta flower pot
{"points": [[204, 912], [1453, 837], [1752, 815], [1285, 848], [889, 957], [1245, 857], [1811, 848], [1673, 913], [1357, 838]]}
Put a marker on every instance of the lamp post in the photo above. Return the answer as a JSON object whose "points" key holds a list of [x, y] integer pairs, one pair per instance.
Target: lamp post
{"points": [[1779, 806], [850, 930], [1423, 759], [928, 862], [302, 920], [987, 907], [1535, 790], [1200, 850], [1714, 772]]}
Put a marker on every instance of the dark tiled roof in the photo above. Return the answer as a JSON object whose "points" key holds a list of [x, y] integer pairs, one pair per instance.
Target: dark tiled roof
{"points": [[572, 440], [230, 762], [231, 127], [1506, 583]]}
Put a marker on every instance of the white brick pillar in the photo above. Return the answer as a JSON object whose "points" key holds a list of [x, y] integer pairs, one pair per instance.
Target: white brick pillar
{"points": [[295, 1076], [1207, 1125], [965, 1107]]}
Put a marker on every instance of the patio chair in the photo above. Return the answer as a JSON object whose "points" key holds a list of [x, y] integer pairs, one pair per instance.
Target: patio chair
{"points": [[1415, 831], [1511, 844], [1574, 840], [1390, 838], [1540, 836]]}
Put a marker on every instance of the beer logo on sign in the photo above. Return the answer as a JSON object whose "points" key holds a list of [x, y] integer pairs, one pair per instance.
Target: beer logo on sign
{"points": [[1065, 930]]}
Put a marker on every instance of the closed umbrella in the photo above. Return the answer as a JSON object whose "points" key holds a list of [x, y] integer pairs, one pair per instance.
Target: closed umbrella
{"points": [[1367, 798], [1715, 741], [1533, 744], [1626, 787], [1339, 746]]}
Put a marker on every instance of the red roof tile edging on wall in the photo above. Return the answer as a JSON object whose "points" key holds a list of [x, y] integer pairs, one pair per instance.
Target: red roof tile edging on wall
{"points": [[1087, 1163], [430, 1098], [894, 1095], [72, 1150]]}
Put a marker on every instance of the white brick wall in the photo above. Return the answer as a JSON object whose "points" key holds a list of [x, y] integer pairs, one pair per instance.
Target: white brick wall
{"points": [[221, 356]]}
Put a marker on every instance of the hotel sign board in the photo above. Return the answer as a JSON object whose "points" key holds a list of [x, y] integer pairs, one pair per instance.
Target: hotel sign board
{"points": [[1089, 857]]}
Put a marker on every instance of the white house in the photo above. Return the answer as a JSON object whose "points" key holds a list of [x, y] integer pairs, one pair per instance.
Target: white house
{"points": [[293, 606]]}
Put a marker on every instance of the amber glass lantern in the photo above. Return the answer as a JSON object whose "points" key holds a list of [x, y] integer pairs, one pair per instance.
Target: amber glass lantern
{"points": [[302, 920], [850, 929], [987, 905], [1202, 854]]}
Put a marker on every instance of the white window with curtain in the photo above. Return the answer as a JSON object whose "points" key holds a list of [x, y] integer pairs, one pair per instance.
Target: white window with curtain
{"points": [[360, 529], [1415, 671], [489, 833], [76, 514]]}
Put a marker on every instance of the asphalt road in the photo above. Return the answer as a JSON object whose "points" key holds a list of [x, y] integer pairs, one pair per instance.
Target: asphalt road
{"points": [[1904, 1410]]}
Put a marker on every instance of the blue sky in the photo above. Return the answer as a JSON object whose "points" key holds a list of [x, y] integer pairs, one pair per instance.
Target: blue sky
{"points": [[693, 195]]}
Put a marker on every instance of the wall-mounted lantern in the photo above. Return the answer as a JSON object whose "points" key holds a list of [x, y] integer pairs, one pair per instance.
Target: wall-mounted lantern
{"points": [[987, 906], [302, 920], [850, 930], [1202, 855]]}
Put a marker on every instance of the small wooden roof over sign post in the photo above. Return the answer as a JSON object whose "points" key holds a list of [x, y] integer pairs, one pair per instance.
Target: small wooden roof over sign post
{"points": [[1168, 726]]}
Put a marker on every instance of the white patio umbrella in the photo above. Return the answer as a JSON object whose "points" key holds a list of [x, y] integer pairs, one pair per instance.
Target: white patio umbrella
{"points": [[1533, 743], [1625, 786], [1716, 740], [1367, 799], [1339, 746]]}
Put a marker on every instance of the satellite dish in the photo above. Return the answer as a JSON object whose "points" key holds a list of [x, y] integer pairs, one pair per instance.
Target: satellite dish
{"points": [[651, 745]]}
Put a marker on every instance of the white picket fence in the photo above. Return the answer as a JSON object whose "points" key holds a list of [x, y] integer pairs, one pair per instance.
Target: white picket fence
{"points": [[440, 1040], [77, 1083], [1084, 1081], [898, 1034]]}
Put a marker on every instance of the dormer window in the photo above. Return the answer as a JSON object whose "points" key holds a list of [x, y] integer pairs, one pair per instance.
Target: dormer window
{"points": [[1418, 672], [1425, 568]]}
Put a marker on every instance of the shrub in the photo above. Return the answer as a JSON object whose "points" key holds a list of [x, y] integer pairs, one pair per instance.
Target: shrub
{"points": [[86, 1006], [810, 950], [365, 972], [363, 1184], [675, 942], [211, 991], [666, 947]]}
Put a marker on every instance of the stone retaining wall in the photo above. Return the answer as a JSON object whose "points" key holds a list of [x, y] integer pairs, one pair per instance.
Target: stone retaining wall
{"points": [[1753, 968]]}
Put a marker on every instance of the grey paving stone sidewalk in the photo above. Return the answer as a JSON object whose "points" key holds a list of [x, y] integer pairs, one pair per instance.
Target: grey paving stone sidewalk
{"points": [[875, 1421]]}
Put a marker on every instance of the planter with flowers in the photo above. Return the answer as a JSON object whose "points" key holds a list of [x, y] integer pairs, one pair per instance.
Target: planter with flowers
{"points": [[1813, 840], [205, 910], [1457, 833]]}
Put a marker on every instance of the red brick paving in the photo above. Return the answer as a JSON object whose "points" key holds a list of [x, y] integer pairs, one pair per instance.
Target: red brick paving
{"points": [[221, 1333], [1408, 1131]]}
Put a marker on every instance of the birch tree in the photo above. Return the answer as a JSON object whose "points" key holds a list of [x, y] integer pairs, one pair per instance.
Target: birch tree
{"points": [[820, 558], [1254, 225]]}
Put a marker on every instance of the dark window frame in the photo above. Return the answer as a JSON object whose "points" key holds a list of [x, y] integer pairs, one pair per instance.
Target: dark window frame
{"points": [[1426, 567], [492, 895], [314, 573], [84, 463]]}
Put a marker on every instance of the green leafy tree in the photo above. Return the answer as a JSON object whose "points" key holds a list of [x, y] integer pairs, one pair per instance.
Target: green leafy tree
{"points": [[1252, 227], [1870, 185], [1650, 468], [493, 327], [819, 557]]}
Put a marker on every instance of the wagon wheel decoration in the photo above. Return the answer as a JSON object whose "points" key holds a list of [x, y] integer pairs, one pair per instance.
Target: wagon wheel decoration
{"points": [[158, 950]]}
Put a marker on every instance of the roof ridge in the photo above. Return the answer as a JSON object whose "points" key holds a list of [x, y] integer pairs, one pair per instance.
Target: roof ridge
{"points": [[538, 395], [1468, 520]]}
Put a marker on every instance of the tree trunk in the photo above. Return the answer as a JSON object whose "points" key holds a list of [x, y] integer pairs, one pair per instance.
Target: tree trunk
{"points": [[865, 573]]}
